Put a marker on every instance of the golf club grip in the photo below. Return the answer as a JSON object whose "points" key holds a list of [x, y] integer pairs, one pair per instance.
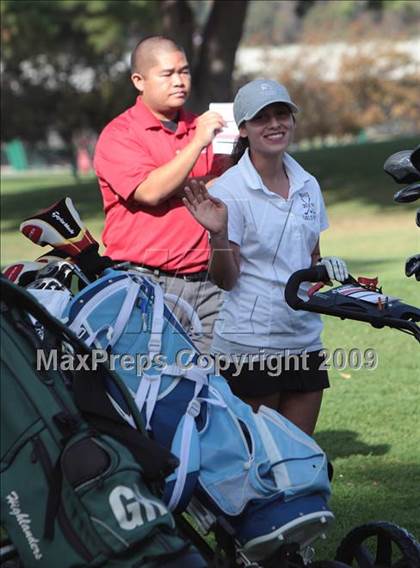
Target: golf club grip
{"points": [[313, 274]]}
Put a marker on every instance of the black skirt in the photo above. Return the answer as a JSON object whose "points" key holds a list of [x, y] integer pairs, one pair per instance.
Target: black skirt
{"points": [[276, 373]]}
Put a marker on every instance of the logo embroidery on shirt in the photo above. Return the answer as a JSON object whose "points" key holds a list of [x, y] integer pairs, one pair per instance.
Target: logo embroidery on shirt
{"points": [[309, 212]]}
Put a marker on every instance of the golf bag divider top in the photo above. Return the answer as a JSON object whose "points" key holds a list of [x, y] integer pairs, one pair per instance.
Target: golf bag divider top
{"points": [[260, 471], [71, 494]]}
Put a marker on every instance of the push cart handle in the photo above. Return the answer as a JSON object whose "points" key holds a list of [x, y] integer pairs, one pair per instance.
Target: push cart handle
{"points": [[313, 274], [396, 314]]}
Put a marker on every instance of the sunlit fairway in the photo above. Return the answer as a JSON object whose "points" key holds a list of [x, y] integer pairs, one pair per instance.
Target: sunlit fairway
{"points": [[369, 423]]}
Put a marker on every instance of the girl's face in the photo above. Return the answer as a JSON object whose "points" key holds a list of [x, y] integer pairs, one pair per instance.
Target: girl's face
{"points": [[270, 131]]}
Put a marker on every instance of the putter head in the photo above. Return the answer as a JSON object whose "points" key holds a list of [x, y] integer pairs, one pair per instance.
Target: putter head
{"points": [[401, 168], [59, 226]]}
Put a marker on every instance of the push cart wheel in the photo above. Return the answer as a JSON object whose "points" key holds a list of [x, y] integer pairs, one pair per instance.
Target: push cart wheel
{"points": [[379, 545]]}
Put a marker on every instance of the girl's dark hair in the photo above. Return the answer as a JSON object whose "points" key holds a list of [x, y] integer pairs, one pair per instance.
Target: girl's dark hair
{"points": [[239, 149]]}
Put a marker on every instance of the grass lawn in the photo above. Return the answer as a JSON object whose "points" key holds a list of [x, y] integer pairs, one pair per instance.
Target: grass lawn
{"points": [[369, 423]]}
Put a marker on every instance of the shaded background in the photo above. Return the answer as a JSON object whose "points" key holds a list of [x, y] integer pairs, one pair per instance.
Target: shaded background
{"points": [[353, 66]]}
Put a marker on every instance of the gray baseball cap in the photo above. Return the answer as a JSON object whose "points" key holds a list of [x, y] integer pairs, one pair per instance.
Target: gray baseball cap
{"points": [[256, 95]]}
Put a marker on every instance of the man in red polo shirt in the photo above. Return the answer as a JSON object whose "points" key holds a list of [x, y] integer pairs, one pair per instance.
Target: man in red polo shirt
{"points": [[143, 160]]}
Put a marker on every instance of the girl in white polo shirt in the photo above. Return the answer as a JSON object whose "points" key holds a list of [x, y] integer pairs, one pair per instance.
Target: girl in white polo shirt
{"points": [[264, 218]]}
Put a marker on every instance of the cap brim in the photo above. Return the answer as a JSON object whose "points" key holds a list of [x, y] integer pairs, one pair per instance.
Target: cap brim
{"points": [[293, 107]]}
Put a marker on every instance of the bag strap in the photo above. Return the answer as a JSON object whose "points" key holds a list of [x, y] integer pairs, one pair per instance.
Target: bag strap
{"points": [[53, 500], [158, 320], [92, 400], [133, 289]]}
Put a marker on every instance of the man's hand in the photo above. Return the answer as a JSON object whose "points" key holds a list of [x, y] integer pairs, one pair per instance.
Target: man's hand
{"points": [[207, 126], [169, 179], [336, 268], [209, 211]]}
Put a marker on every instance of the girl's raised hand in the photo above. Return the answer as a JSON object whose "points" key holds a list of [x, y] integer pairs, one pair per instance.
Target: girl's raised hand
{"points": [[209, 211]]}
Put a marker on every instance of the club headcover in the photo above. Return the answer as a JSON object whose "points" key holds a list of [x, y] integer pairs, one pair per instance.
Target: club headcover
{"points": [[59, 226], [23, 272]]}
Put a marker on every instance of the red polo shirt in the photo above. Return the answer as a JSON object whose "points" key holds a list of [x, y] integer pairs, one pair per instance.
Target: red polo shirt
{"points": [[165, 236]]}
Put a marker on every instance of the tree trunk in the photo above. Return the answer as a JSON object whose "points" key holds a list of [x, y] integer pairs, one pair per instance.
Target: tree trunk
{"points": [[212, 75], [178, 23]]}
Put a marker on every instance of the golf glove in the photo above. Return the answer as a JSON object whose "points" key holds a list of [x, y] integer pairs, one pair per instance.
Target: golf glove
{"points": [[336, 268]]}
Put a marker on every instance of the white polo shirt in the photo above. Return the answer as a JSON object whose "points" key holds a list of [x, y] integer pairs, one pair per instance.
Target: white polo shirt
{"points": [[276, 237]]}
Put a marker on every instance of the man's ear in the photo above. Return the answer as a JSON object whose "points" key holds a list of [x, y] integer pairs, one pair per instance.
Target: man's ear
{"points": [[138, 81]]}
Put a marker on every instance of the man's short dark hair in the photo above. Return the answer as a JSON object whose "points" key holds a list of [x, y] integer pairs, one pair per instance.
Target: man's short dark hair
{"points": [[142, 54]]}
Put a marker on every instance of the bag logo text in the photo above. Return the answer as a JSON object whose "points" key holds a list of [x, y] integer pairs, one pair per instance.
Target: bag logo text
{"points": [[132, 509], [24, 521], [56, 215]]}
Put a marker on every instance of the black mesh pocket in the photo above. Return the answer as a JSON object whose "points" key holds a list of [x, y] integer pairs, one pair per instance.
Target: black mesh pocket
{"points": [[84, 461]]}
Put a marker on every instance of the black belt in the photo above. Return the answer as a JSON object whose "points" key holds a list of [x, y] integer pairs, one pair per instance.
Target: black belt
{"points": [[201, 276]]}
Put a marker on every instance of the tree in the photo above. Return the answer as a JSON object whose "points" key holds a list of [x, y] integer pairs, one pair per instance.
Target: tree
{"points": [[65, 63], [62, 64], [213, 57]]}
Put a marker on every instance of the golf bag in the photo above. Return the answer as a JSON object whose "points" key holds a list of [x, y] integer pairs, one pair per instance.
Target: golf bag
{"points": [[258, 470], [75, 478]]}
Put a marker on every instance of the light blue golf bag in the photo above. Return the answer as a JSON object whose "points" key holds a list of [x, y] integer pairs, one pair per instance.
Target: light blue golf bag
{"points": [[257, 469]]}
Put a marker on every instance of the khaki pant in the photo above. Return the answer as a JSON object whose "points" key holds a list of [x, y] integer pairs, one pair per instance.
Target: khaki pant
{"points": [[203, 296]]}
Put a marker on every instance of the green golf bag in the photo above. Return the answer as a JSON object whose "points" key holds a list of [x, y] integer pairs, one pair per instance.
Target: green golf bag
{"points": [[78, 484]]}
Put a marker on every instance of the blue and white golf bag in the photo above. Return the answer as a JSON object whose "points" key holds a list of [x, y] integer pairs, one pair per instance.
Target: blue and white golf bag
{"points": [[257, 469]]}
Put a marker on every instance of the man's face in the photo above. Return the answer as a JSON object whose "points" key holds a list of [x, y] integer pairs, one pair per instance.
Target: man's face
{"points": [[165, 85]]}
